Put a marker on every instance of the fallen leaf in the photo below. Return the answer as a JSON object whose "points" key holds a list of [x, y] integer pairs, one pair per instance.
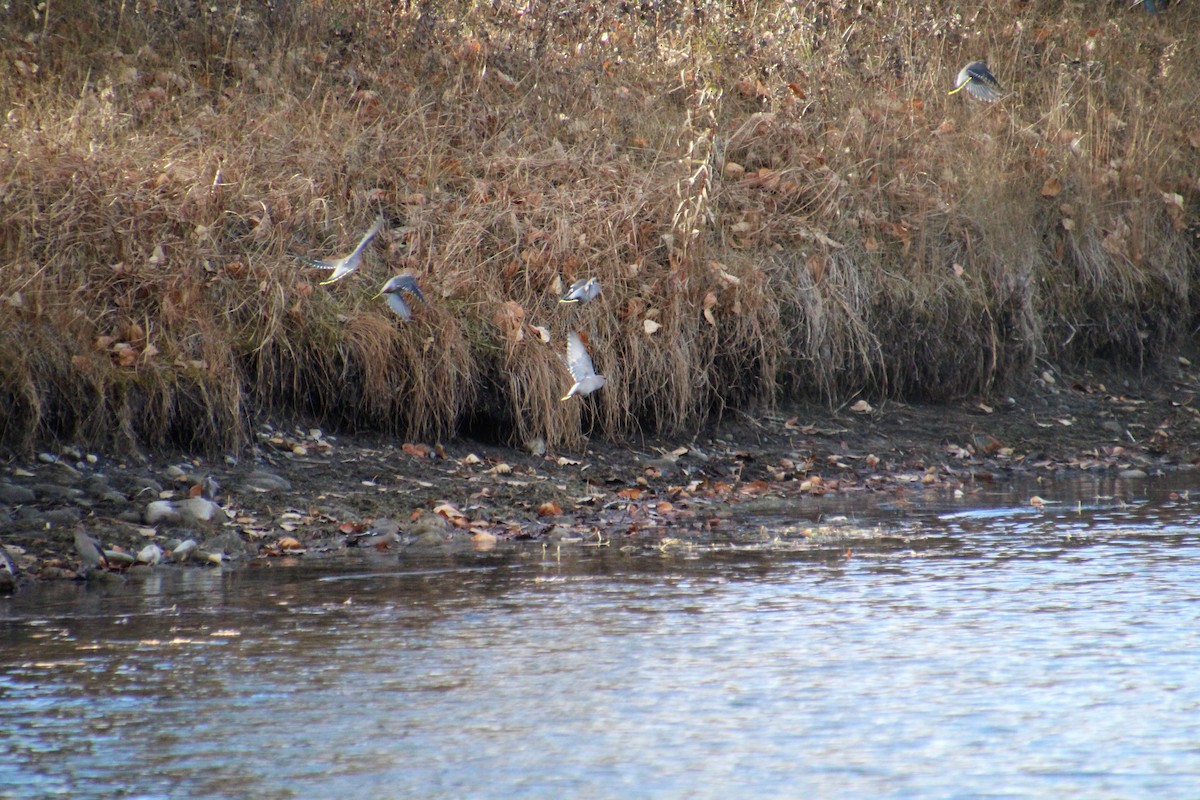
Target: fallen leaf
{"points": [[650, 326], [451, 513], [710, 300], [289, 543], [862, 407], [483, 540], [549, 509], [1052, 187], [630, 493]]}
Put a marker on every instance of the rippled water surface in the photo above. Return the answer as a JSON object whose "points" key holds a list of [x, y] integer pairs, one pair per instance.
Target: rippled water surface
{"points": [[967, 648]]}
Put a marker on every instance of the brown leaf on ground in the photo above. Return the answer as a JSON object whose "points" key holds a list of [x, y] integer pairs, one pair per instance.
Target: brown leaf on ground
{"points": [[1052, 187], [452, 514]]}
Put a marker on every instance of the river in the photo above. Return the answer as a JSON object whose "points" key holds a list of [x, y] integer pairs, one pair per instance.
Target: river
{"points": [[973, 647]]}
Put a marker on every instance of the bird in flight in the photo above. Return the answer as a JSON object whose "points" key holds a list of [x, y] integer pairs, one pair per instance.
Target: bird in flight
{"points": [[979, 82], [348, 264], [581, 291], [580, 365], [395, 300]]}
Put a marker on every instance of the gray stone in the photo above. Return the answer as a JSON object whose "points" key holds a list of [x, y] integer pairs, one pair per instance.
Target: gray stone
{"points": [[142, 486], [183, 550], [66, 469], [31, 518], [112, 497], [14, 495], [118, 558], [231, 543], [52, 491], [162, 512], [385, 525], [175, 474], [62, 517], [266, 481], [97, 485], [199, 509], [150, 554]]}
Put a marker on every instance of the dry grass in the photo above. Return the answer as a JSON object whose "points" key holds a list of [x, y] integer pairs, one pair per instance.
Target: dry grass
{"points": [[778, 198]]}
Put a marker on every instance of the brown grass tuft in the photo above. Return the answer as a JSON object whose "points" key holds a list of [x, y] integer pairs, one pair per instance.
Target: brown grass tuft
{"points": [[779, 199]]}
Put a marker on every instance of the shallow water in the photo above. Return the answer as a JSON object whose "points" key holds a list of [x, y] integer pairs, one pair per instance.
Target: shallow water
{"points": [[960, 648]]}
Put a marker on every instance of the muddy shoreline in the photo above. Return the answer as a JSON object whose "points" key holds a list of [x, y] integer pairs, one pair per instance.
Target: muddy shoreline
{"points": [[306, 494]]}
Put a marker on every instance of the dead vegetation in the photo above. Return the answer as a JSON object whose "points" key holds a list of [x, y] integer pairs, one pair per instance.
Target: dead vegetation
{"points": [[778, 198]]}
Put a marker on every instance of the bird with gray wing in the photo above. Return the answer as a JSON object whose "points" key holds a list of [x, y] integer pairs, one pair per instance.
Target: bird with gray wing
{"points": [[89, 550], [979, 82], [582, 291], [580, 365], [347, 264], [395, 300], [9, 573]]}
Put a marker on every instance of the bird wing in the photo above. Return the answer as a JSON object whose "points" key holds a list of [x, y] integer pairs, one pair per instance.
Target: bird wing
{"points": [[397, 304], [409, 284], [346, 260], [319, 263], [573, 294], [368, 236], [346, 267], [578, 360], [979, 81], [980, 72]]}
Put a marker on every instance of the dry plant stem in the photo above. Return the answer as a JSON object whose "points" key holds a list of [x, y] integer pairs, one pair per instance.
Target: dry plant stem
{"points": [[779, 199]]}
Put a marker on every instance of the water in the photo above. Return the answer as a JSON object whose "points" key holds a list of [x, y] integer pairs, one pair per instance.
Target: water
{"points": [[964, 648]]}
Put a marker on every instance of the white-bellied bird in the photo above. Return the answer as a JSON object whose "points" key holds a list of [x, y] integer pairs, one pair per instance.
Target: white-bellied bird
{"points": [[347, 264], [580, 365], [395, 300], [979, 82]]}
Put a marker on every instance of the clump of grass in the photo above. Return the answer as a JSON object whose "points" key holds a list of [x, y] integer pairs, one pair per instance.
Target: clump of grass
{"points": [[779, 199]]}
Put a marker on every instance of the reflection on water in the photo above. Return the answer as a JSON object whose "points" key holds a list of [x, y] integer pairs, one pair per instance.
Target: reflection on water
{"points": [[949, 652]]}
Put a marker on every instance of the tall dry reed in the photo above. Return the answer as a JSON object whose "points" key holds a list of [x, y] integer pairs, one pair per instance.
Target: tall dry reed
{"points": [[780, 199]]}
